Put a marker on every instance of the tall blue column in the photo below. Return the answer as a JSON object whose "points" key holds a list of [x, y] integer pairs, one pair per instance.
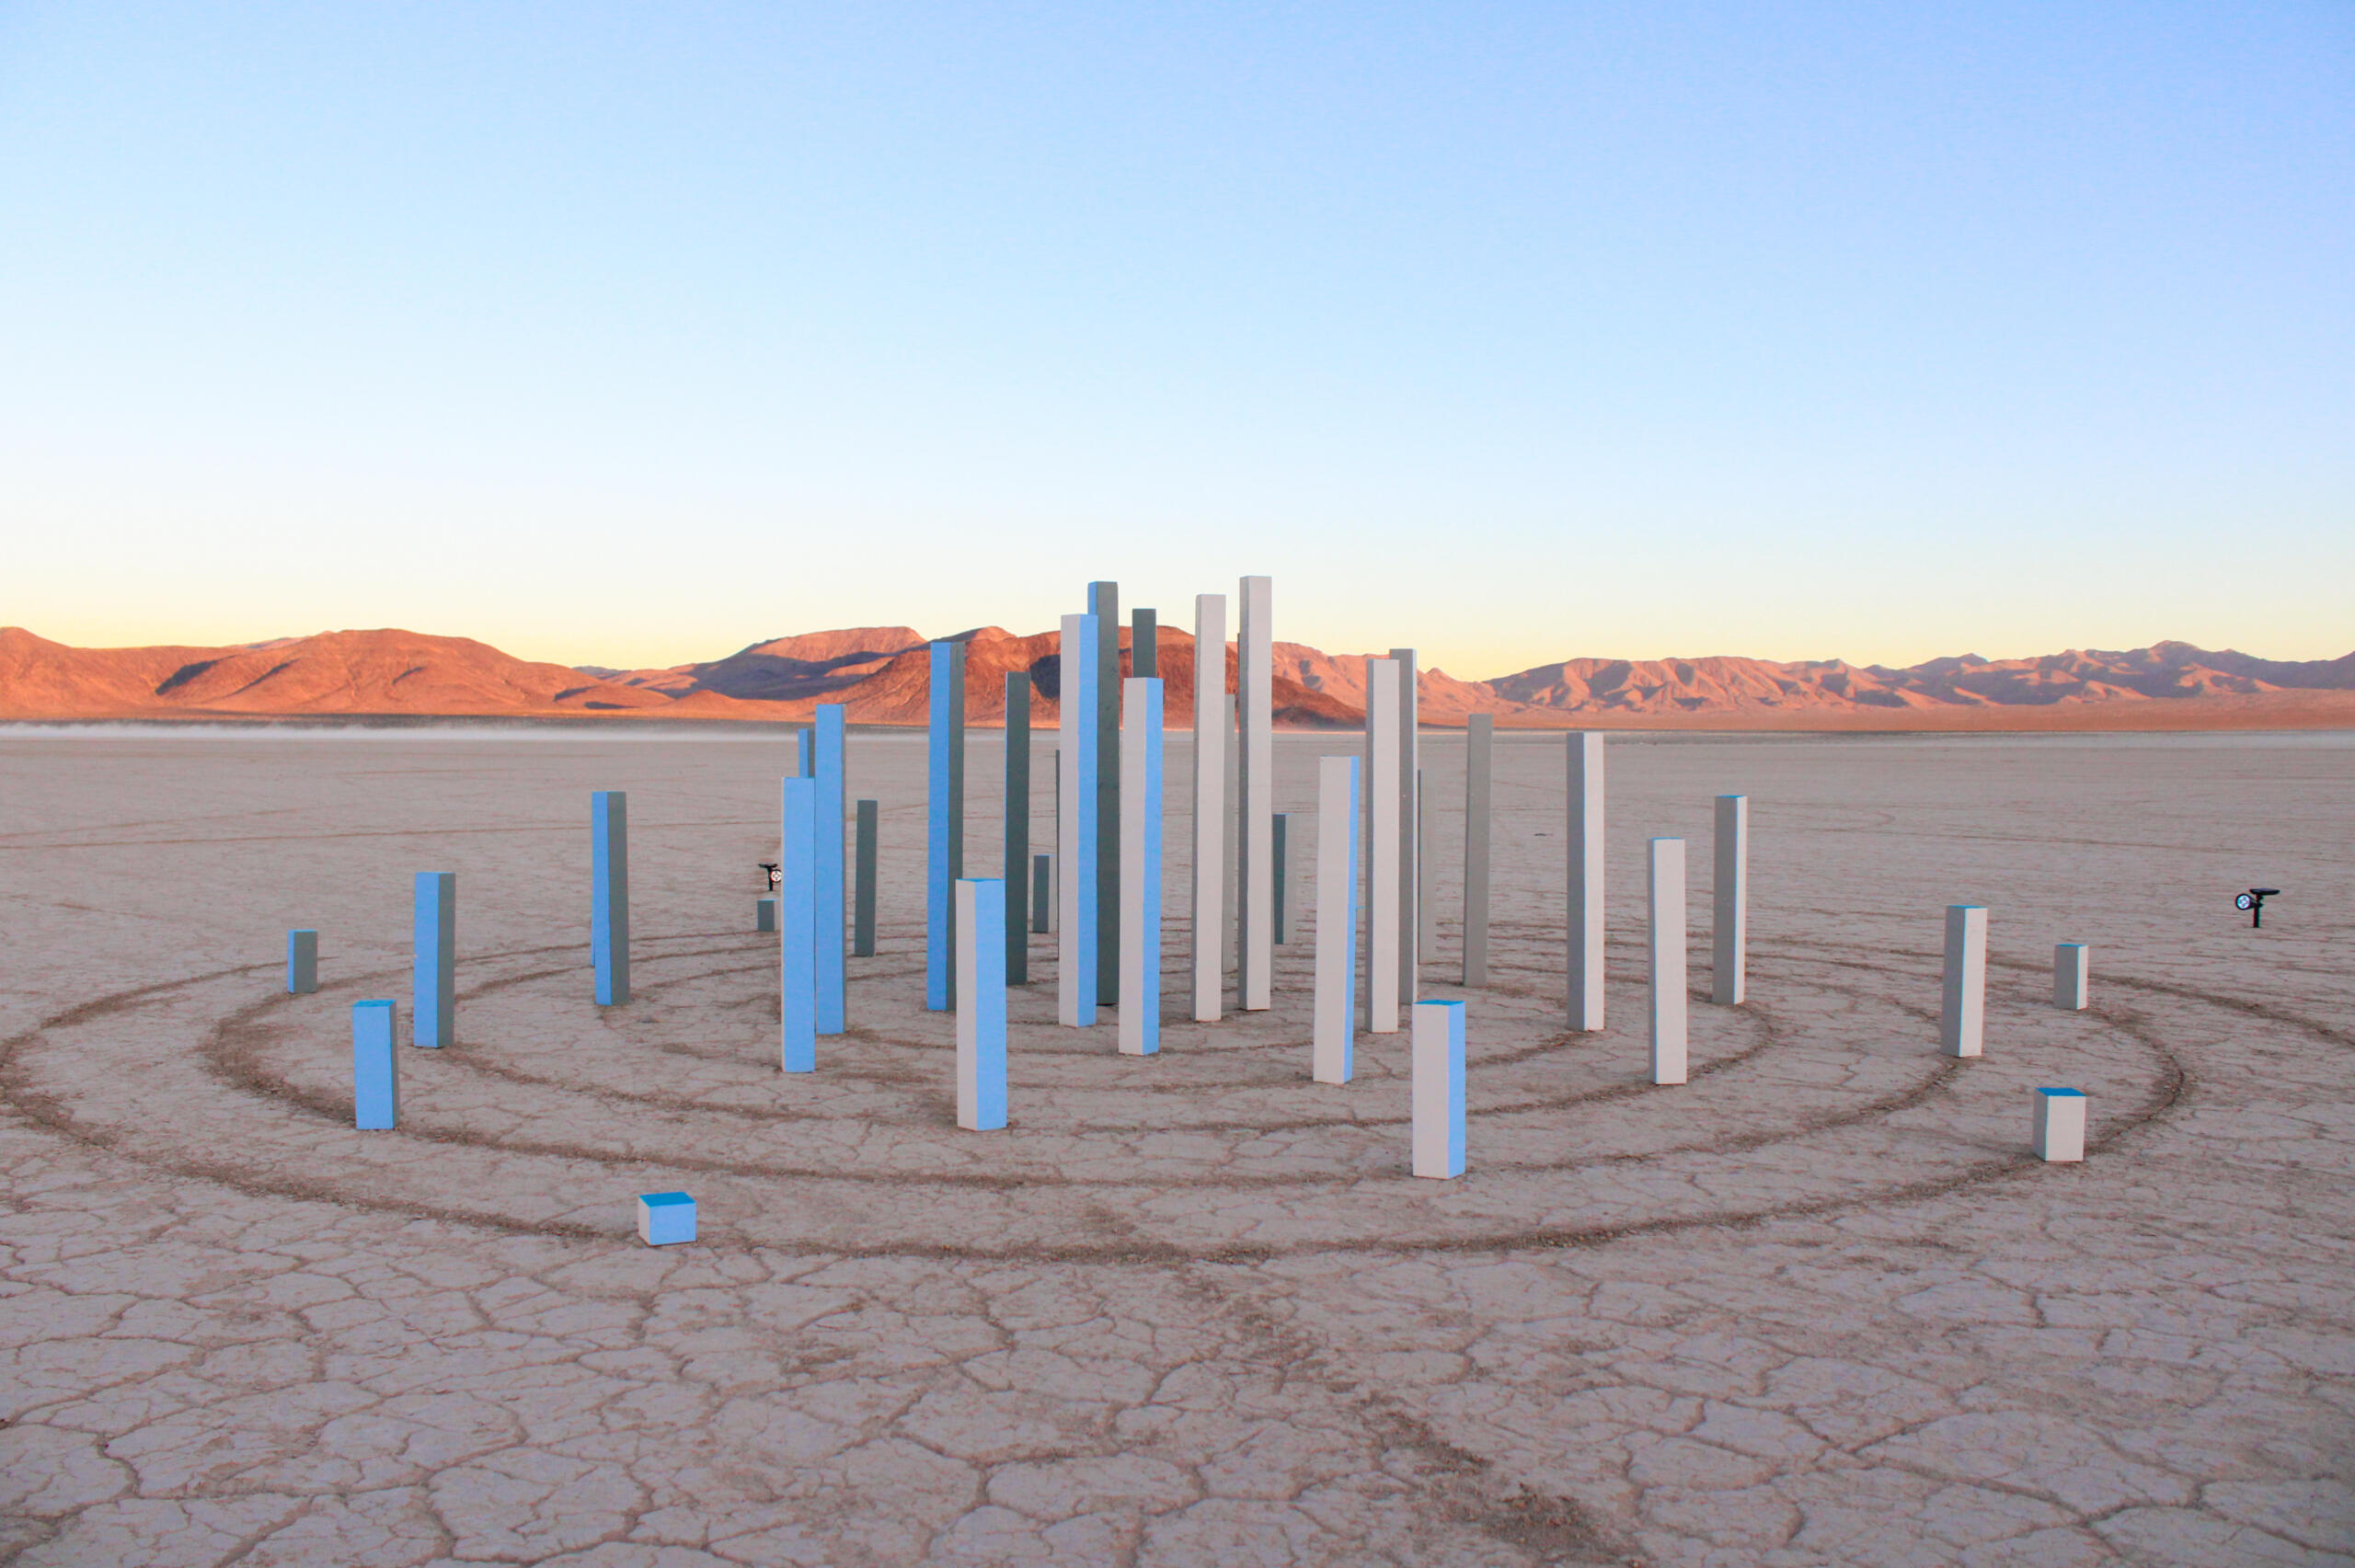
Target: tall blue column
{"points": [[434, 965], [1141, 870], [797, 927], [609, 894], [1017, 860], [375, 1069], [981, 1005], [826, 767], [1076, 825], [944, 825]]}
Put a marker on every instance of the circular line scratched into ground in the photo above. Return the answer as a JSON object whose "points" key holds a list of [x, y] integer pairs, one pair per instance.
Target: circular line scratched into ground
{"points": [[550, 1115]]}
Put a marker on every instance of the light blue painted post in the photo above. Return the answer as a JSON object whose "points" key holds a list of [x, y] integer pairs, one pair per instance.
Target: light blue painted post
{"points": [[1075, 827], [1140, 883], [302, 962], [833, 1000], [981, 1003], [375, 1070], [1438, 1091], [609, 894], [434, 963], [944, 825], [797, 926]]}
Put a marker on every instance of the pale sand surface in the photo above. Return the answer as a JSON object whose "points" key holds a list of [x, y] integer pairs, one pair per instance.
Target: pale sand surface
{"points": [[1818, 1306]]}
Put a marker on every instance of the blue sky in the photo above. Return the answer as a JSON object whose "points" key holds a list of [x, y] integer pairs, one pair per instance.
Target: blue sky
{"points": [[634, 334]]}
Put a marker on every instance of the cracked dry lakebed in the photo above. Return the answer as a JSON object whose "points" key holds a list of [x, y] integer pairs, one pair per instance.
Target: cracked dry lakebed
{"points": [[1819, 1305]]}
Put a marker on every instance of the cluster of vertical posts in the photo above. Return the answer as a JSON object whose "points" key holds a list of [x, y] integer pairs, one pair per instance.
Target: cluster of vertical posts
{"points": [[1101, 890]]}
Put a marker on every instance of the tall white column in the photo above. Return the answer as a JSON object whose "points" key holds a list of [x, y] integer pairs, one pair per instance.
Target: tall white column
{"points": [[1141, 867], [1257, 677], [1585, 836], [1669, 1005], [1384, 873], [1332, 1045], [1962, 1016], [1209, 807], [1410, 831], [1730, 917]]}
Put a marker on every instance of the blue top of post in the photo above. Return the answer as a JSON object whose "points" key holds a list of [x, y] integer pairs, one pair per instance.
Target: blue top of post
{"points": [[663, 1200], [2078, 1092]]}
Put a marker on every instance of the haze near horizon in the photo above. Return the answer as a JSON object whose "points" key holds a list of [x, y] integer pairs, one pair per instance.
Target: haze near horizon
{"points": [[620, 336]]}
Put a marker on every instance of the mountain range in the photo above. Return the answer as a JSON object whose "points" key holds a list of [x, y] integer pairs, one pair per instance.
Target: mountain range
{"points": [[882, 675]]}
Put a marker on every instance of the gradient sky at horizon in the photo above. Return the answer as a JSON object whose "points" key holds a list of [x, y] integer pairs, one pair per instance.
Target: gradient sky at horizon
{"points": [[633, 334]]}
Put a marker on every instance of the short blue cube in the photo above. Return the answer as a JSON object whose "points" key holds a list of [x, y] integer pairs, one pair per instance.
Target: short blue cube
{"points": [[664, 1219]]}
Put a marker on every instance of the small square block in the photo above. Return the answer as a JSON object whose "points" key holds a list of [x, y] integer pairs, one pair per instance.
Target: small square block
{"points": [[2060, 1125], [665, 1219]]}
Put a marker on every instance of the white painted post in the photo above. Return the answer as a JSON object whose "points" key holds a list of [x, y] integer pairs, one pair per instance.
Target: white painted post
{"points": [[1209, 807], [1410, 860], [1332, 1047], [1669, 1001], [1141, 867], [1730, 922], [2071, 971], [1585, 836], [1256, 677], [1384, 873], [1962, 1017], [1437, 1091], [2060, 1125]]}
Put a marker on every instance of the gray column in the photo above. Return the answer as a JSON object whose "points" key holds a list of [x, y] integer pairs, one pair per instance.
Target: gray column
{"points": [[1282, 838], [1104, 603], [1144, 645], [862, 921], [1962, 1013], [1729, 920], [1211, 724], [1256, 679], [1479, 738], [1387, 937], [2071, 965], [1585, 836], [1410, 860], [1016, 856], [1042, 897]]}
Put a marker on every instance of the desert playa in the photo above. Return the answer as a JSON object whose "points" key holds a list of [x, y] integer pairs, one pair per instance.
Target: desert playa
{"points": [[1820, 1305]]}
